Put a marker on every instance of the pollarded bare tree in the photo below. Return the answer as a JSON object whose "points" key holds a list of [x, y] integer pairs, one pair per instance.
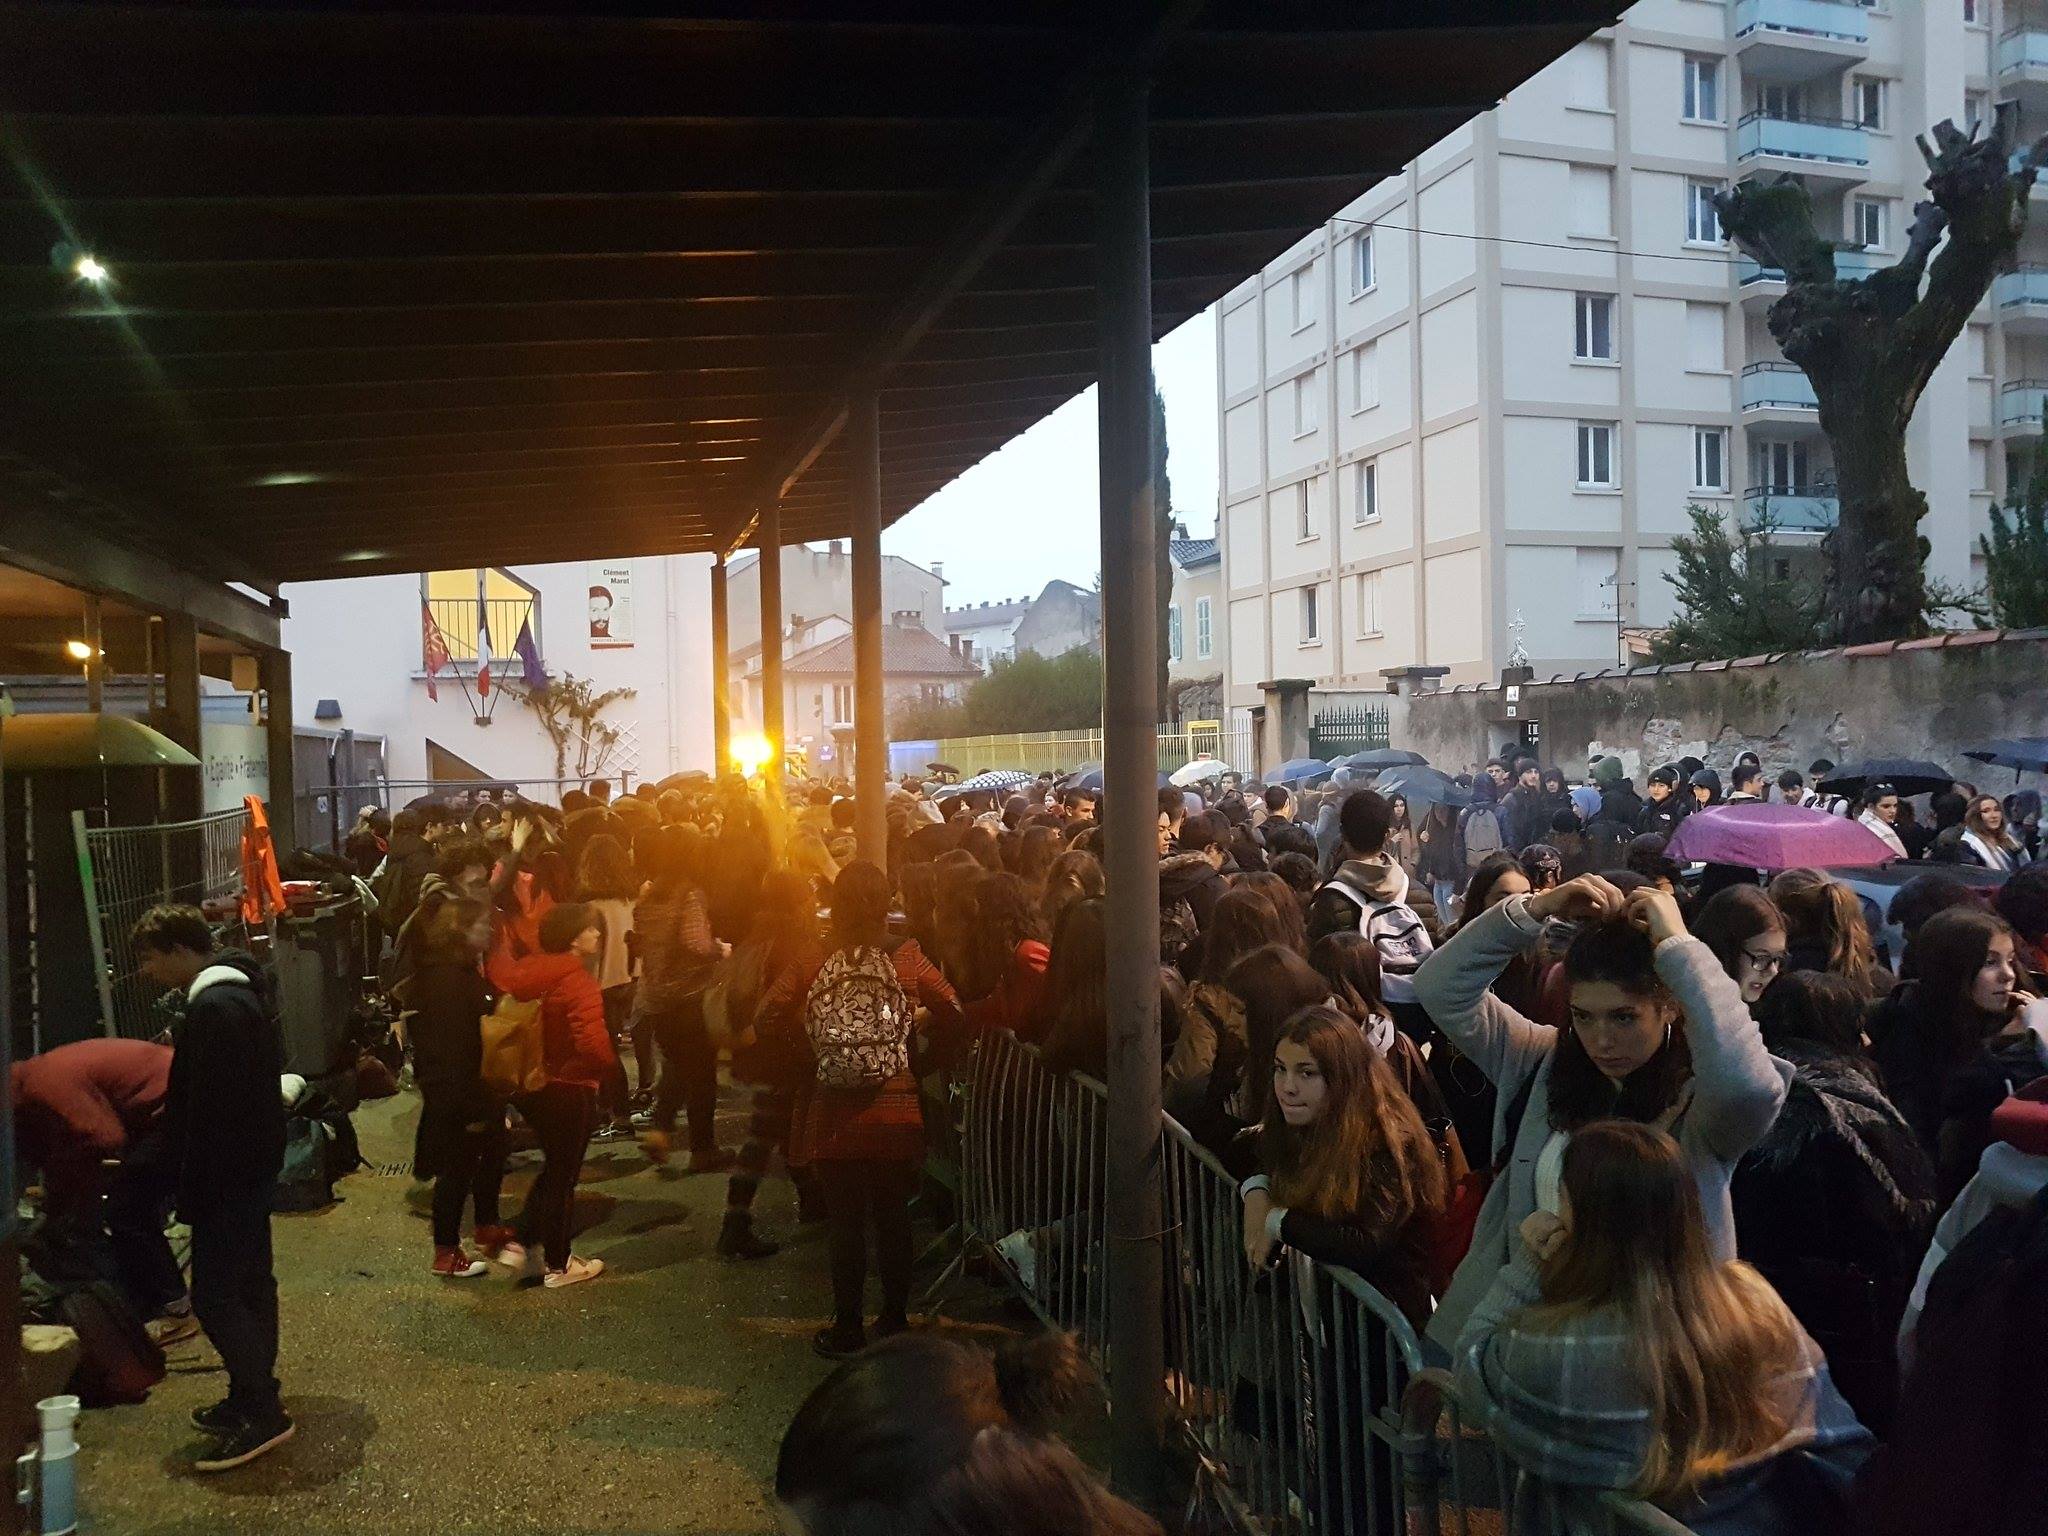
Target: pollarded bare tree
{"points": [[1870, 346]]}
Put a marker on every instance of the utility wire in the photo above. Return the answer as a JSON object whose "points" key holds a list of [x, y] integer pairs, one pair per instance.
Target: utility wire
{"points": [[1549, 245]]}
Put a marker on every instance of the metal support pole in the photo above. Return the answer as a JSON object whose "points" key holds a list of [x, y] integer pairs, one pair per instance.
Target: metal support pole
{"points": [[1130, 715], [185, 790], [274, 674], [773, 725], [721, 673], [870, 730]]}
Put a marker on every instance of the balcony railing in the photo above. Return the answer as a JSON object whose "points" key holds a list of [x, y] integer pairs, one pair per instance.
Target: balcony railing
{"points": [[2023, 48], [2022, 286], [457, 617], [1805, 508], [1821, 140], [2020, 403], [1852, 263], [1777, 387], [1838, 21]]}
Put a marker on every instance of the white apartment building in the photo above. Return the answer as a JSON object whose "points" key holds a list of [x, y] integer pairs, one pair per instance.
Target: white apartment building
{"points": [[1489, 389]]}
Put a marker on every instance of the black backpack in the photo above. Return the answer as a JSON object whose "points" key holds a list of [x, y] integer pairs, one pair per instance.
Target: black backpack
{"points": [[118, 1362]]}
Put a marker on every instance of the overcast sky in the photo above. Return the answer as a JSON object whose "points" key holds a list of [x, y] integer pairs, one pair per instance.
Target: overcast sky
{"points": [[1028, 513]]}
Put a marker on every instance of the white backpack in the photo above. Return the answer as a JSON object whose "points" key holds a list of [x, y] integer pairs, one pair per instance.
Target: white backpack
{"points": [[858, 1018], [1397, 936]]}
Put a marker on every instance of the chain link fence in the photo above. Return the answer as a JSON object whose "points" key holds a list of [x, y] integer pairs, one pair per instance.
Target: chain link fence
{"points": [[127, 870]]}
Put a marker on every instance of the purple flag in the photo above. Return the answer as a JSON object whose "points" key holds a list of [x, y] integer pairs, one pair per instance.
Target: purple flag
{"points": [[529, 655]]}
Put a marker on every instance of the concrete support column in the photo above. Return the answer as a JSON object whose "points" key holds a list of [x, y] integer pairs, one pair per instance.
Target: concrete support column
{"points": [[773, 724], [96, 661], [1130, 715], [185, 792], [274, 677], [721, 673], [870, 727]]}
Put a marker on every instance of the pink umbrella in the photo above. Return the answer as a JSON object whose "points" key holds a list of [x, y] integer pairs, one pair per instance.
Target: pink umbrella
{"points": [[1755, 835]]}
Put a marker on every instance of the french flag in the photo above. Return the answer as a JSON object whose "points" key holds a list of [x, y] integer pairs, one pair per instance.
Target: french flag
{"points": [[483, 650]]}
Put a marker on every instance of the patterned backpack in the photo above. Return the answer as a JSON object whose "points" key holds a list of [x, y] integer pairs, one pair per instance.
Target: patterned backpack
{"points": [[858, 1019]]}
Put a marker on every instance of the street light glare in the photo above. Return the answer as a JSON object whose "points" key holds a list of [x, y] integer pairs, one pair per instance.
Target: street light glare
{"points": [[750, 753], [78, 650], [88, 269]]}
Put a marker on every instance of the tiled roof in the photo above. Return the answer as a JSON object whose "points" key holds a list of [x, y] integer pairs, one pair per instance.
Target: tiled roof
{"points": [[905, 653], [1187, 552], [979, 616]]}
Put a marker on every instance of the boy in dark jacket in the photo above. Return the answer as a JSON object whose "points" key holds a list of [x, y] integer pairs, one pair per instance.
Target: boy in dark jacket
{"points": [[226, 1144]]}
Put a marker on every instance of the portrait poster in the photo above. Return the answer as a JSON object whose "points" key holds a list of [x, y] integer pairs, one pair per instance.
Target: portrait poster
{"points": [[611, 606]]}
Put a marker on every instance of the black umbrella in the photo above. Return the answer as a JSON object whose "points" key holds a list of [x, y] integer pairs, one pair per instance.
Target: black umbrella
{"points": [[1421, 785], [1384, 757], [2028, 754], [1907, 775]]}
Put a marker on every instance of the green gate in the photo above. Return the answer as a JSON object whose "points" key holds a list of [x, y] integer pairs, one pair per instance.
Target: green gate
{"points": [[1340, 732]]}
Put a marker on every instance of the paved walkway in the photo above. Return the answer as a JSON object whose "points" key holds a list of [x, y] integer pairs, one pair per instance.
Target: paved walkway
{"points": [[651, 1400]]}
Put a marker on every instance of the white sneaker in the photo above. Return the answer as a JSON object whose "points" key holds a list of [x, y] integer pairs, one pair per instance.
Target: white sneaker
{"points": [[575, 1272], [523, 1264]]}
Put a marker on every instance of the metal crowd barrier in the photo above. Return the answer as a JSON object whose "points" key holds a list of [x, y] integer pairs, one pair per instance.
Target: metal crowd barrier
{"points": [[128, 870], [1299, 1392]]}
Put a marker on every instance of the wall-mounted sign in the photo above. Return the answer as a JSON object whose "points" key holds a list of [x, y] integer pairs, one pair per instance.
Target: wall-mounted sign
{"points": [[235, 762], [611, 606]]}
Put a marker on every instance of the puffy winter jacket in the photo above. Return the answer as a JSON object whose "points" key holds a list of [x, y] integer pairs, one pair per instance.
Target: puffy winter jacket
{"points": [[576, 1046]]}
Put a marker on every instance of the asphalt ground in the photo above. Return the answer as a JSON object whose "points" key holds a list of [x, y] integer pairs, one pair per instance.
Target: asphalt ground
{"points": [[649, 1400]]}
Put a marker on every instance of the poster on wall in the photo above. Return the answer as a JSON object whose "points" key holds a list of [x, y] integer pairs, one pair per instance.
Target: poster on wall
{"points": [[611, 606]]}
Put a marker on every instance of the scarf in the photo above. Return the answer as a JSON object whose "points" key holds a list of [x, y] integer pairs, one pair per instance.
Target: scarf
{"points": [[1994, 855]]}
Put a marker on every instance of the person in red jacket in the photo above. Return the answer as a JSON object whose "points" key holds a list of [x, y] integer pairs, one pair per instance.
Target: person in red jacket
{"points": [[577, 1049], [90, 1118]]}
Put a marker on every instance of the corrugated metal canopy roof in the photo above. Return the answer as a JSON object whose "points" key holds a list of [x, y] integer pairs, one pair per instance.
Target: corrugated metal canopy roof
{"points": [[528, 281]]}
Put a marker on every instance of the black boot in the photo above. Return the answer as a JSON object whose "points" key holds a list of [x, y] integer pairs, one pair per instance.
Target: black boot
{"points": [[738, 1240]]}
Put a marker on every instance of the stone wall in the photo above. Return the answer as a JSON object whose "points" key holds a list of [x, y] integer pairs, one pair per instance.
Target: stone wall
{"points": [[1917, 698]]}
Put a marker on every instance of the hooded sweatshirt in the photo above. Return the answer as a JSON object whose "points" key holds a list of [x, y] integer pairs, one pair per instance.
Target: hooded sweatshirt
{"points": [[1191, 878], [224, 1113], [1373, 897]]}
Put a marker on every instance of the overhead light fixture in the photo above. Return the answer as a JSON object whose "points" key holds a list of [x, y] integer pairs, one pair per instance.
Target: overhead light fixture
{"points": [[78, 650], [89, 269], [288, 477], [79, 263]]}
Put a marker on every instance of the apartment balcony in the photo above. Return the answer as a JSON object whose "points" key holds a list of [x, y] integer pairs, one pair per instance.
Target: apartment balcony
{"points": [[1786, 41], [1831, 149], [1778, 392], [2020, 404], [2023, 64], [1767, 284], [1800, 509], [2020, 300]]}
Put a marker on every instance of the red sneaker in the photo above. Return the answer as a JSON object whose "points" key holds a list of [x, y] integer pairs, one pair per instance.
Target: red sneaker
{"points": [[490, 1240], [454, 1264]]}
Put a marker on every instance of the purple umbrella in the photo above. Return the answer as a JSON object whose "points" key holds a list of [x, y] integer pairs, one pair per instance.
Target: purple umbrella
{"points": [[1755, 835]]}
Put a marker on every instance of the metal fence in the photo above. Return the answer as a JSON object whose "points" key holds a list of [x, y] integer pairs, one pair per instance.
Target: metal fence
{"points": [[128, 870], [1064, 751], [1298, 1391], [1339, 731]]}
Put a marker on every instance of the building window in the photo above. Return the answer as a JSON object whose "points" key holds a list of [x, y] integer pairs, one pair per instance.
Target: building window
{"points": [[1363, 278], [1369, 605], [1702, 222], [1710, 458], [1869, 97], [1305, 404], [842, 702], [1783, 467], [1702, 89], [1787, 103], [1365, 504], [1365, 376], [1588, 64], [1594, 336], [1311, 616], [1598, 577], [1304, 530], [1973, 12], [1976, 109], [1173, 632], [1301, 289], [1591, 188], [1869, 232], [1204, 643], [1596, 455], [463, 602]]}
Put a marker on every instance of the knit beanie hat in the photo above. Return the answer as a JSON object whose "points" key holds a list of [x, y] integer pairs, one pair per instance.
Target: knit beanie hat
{"points": [[1607, 773]]}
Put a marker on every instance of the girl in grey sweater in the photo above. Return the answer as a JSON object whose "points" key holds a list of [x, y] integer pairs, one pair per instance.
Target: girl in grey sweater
{"points": [[1659, 1034]]}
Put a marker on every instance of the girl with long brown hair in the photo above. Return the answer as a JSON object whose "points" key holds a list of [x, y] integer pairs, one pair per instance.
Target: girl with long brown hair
{"points": [[1826, 930], [1618, 1351], [1346, 1172], [1241, 922], [1657, 1033]]}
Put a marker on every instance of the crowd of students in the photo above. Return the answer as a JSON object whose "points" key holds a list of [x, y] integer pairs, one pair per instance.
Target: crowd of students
{"points": [[1671, 1179]]}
